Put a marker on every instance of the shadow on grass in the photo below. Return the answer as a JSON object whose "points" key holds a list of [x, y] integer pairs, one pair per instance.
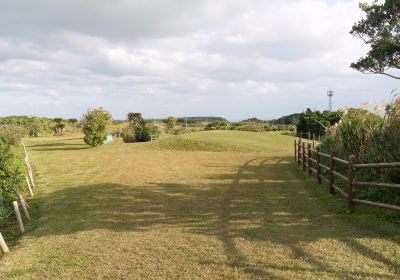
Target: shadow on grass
{"points": [[58, 145], [258, 203]]}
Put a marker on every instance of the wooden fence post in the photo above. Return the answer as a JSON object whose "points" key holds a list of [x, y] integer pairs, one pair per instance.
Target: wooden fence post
{"points": [[28, 185], [309, 162], [298, 151], [295, 149], [318, 164], [19, 218], [23, 204], [350, 206], [3, 245], [332, 165], [304, 156], [309, 135], [31, 177]]}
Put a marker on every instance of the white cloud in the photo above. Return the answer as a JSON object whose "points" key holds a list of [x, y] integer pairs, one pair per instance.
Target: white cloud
{"points": [[227, 57]]}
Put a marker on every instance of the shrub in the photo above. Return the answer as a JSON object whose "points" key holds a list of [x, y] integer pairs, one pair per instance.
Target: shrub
{"points": [[139, 131], [170, 122], [11, 177], [317, 122], [11, 134], [94, 126], [128, 136]]}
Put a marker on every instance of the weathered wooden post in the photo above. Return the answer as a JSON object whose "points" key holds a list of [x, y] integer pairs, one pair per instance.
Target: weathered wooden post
{"points": [[350, 206], [24, 206], [309, 135], [19, 218], [31, 177], [304, 156], [3, 245], [28, 185], [318, 165], [332, 165], [298, 151], [309, 162], [295, 149]]}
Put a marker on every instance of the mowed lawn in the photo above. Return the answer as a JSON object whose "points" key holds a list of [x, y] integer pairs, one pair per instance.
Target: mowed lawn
{"points": [[206, 205]]}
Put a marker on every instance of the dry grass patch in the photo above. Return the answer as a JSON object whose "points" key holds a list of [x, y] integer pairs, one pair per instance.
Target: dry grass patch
{"points": [[150, 211]]}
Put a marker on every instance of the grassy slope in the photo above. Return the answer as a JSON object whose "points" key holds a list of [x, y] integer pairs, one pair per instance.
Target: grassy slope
{"points": [[165, 210]]}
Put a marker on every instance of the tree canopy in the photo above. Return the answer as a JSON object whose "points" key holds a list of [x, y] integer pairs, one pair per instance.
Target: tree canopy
{"points": [[381, 30]]}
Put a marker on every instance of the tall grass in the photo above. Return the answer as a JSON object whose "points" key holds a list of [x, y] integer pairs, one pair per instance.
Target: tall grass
{"points": [[371, 138]]}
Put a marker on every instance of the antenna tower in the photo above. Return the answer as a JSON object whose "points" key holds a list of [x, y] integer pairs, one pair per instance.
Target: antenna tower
{"points": [[330, 95]]}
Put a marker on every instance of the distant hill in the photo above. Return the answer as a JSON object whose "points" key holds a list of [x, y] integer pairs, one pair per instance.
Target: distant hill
{"points": [[289, 119], [198, 120]]}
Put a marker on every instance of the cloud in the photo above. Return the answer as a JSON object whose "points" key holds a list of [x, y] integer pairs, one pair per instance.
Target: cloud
{"points": [[227, 57]]}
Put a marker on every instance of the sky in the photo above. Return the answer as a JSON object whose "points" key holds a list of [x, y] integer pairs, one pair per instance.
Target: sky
{"points": [[229, 58]]}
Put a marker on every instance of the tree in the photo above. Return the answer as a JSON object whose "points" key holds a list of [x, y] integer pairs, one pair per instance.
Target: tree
{"points": [[170, 122], [381, 30], [59, 126], [135, 119], [94, 126], [74, 123]]}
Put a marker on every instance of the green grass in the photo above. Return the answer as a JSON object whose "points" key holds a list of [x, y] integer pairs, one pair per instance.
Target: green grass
{"points": [[207, 205]]}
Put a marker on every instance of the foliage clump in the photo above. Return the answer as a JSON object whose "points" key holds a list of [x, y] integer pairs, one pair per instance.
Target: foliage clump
{"points": [[317, 122], [140, 131], [372, 139], [11, 134], [94, 127], [380, 29], [11, 176], [170, 123]]}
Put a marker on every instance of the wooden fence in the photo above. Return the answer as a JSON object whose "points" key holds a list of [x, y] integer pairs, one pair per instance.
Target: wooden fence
{"points": [[311, 160]]}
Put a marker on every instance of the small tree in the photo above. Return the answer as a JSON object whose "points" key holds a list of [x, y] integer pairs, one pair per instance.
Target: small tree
{"points": [[135, 119], [94, 126], [380, 29], [170, 122], [74, 123], [59, 126]]}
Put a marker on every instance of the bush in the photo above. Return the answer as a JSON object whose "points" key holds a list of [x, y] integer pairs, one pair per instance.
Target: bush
{"points": [[140, 132], [34, 126], [11, 177], [170, 122], [317, 122], [94, 126], [11, 134]]}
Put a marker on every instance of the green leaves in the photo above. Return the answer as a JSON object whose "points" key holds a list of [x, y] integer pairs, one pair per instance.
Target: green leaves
{"points": [[95, 122], [381, 30]]}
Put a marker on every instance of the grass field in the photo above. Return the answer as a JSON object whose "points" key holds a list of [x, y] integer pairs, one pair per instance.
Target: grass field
{"points": [[206, 205]]}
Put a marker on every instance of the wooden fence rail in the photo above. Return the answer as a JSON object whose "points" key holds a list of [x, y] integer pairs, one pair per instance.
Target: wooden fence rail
{"points": [[310, 158]]}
